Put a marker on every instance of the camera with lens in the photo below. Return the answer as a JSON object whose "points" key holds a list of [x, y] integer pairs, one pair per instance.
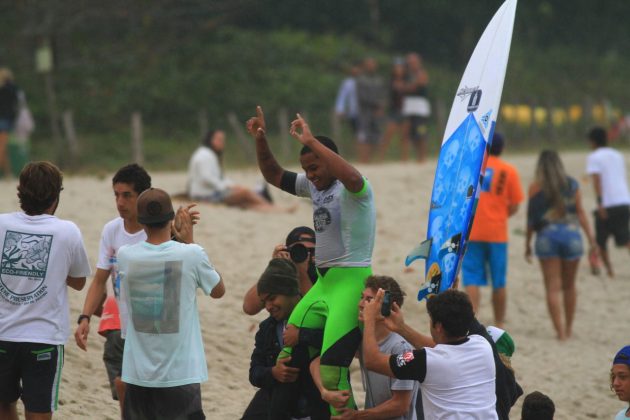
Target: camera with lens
{"points": [[299, 253]]}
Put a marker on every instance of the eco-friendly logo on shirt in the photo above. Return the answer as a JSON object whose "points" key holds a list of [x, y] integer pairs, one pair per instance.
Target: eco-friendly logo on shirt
{"points": [[24, 265]]}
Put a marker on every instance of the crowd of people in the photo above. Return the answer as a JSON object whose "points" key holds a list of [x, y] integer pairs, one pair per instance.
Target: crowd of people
{"points": [[325, 304], [377, 110]]}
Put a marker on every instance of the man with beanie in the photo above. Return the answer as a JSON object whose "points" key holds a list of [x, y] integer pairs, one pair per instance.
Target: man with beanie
{"points": [[279, 292], [500, 197], [164, 360]]}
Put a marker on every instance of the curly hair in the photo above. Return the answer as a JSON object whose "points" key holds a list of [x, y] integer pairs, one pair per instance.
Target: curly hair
{"points": [[39, 188], [452, 309], [389, 284], [133, 174]]}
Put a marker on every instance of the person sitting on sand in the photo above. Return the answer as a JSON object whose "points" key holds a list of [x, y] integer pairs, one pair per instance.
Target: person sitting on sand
{"points": [[620, 380], [207, 181]]}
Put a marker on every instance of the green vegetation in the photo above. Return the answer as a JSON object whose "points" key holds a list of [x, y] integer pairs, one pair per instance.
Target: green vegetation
{"points": [[171, 60]]}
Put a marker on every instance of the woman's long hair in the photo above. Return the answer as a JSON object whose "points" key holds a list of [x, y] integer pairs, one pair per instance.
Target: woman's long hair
{"points": [[552, 179], [207, 141]]}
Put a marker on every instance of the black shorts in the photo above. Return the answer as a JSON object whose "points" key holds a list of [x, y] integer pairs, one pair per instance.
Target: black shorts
{"points": [[173, 403], [417, 128], [616, 224], [31, 371], [112, 357]]}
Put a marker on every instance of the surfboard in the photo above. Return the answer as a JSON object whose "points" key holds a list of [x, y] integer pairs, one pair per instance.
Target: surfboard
{"points": [[463, 155]]}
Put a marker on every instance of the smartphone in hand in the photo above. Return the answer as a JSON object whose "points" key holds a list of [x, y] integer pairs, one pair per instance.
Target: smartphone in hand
{"points": [[386, 307]]}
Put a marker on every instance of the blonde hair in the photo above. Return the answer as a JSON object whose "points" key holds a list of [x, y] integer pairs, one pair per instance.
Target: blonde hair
{"points": [[552, 179]]}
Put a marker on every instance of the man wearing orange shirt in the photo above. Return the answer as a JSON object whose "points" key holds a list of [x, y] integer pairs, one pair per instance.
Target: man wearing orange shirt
{"points": [[500, 197]]}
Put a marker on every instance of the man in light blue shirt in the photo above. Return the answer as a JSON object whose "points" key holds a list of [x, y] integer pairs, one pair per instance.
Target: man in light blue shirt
{"points": [[164, 360]]}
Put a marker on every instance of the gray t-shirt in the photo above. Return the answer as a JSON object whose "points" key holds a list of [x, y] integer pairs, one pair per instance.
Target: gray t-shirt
{"points": [[378, 388], [344, 222]]}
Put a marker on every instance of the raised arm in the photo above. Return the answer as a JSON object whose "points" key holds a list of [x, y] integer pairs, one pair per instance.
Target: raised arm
{"points": [[349, 176], [396, 323], [269, 166], [373, 359]]}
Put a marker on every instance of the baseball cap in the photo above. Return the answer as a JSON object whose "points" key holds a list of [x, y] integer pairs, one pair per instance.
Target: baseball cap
{"points": [[295, 234], [154, 206], [622, 357], [503, 341]]}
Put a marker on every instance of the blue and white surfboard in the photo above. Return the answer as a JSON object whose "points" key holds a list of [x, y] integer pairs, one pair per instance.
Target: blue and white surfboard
{"points": [[463, 155]]}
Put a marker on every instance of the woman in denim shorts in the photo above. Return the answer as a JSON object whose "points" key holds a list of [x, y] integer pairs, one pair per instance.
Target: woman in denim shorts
{"points": [[555, 213]]}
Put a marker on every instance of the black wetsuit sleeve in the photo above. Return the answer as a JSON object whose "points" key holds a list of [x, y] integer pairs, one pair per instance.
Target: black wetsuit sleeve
{"points": [[411, 365], [259, 370], [311, 337], [287, 182]]}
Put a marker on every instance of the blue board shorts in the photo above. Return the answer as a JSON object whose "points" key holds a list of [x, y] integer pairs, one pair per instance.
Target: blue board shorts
{"points": [[482, 257], [559, 240]]}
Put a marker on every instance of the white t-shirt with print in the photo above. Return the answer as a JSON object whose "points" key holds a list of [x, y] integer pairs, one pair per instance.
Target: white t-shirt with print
{"points": [[460, 381], [113, 237], [344, 222], [38, 254], [163, 347], [609, 164]]}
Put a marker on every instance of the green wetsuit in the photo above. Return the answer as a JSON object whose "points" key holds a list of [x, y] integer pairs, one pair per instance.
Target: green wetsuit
{"points": [[345, 229]]}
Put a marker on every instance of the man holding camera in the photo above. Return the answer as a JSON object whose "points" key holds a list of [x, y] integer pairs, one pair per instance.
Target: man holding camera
{"points": [[299, 247]]}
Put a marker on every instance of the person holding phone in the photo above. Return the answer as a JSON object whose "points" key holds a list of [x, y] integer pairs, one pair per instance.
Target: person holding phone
{"points": [[385, 397]]}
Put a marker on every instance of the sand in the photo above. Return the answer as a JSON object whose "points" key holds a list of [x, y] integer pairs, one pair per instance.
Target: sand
{"points": [[573, 373]]}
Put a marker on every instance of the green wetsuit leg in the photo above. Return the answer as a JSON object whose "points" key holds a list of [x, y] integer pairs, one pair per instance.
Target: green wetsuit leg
{"points": [[333, 301]]}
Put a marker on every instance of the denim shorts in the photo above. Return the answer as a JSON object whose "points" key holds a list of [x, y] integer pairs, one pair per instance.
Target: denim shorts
{"points": [[559, 240]]}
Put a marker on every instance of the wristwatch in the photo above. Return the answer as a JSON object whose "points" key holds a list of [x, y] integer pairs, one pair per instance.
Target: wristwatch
{"points": [[82, 317]]}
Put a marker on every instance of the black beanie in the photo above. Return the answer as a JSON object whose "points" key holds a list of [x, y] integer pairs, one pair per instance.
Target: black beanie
{"points": [[279, 278]]}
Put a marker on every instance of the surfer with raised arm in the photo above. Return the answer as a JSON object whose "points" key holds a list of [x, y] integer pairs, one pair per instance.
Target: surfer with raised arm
{"points": [[344, 219]]}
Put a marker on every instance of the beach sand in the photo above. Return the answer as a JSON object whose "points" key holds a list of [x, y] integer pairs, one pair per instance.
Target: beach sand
{"points": [[575, 374]]}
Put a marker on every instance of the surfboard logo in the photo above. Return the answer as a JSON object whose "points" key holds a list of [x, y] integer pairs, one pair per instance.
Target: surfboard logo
{"points": [[473, 103], [485, 119], [466, 92]]}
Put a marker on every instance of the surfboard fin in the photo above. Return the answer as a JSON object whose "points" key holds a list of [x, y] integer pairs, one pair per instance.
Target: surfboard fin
{"points": [[418, 252]]}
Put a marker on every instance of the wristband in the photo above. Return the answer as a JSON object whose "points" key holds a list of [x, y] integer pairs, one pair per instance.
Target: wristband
{"points": [[82, 317]]}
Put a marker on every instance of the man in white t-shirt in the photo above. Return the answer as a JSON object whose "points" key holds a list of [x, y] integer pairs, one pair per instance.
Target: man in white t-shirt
{"points": [[457, 376], [128, 182], [607, 169], [164, 360], [41, 255]]}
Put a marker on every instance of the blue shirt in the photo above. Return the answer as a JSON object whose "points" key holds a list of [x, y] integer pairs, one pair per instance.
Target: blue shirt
{"points": [[163, 346]]}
